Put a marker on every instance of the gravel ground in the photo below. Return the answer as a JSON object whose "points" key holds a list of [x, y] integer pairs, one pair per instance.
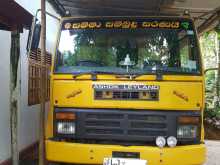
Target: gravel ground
{"points": [[213, 155]]}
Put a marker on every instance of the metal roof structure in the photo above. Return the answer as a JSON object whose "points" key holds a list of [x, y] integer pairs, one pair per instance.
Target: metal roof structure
{"points": [[205, 12], [13, 16]]}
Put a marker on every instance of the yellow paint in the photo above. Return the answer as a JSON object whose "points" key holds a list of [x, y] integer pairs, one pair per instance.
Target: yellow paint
{"points": [[74, 93], [94, 153], [192, 87], [62, 85], [167, 99]]}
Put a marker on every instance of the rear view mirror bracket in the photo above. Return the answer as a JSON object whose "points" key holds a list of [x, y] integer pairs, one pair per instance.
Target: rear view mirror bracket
{"points": [[34, 34]]}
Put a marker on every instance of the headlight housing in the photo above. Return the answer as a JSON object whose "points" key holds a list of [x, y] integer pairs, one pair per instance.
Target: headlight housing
{"points": [[65, 123], [187, 131], [66, 127], [188, 127]]}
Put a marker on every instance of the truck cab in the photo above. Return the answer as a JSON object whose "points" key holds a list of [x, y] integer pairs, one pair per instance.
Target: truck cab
{"points": [[126, 90]]}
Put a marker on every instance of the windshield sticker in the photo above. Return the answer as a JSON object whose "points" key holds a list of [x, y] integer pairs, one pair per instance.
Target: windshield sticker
{"points": [[163, 24], [121, 24], [185, 25], [127, 24]]}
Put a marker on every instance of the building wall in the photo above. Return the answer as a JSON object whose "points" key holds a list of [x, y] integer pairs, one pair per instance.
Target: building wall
{"points": [[28, 119], [4, 95]]}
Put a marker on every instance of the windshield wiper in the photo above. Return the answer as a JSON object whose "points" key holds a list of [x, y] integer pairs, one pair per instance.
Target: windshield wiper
{"points": [[129, 76], [158, 72], [92, 73]]}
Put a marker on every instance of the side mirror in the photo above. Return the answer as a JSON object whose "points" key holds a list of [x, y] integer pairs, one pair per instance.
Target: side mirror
{"points": [[34, 34], [210, 69], [34, 37]]}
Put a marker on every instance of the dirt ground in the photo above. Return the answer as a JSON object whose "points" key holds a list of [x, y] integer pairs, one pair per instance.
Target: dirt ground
{"points": [[211, 132], [213, 154]]}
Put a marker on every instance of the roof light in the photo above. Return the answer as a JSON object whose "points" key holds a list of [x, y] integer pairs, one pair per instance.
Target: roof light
{"points": [[186, 13]]}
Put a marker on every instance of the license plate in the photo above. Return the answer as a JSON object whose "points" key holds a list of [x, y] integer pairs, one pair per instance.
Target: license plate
{"points": [[123, 161]]}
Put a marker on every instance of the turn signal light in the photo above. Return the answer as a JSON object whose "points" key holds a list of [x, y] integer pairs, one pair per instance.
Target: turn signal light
{"points": [[188, 120], [65, 116]]}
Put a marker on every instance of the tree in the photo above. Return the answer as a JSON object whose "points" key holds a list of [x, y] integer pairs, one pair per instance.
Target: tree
{"points": [[209, 48], [218, 53]]}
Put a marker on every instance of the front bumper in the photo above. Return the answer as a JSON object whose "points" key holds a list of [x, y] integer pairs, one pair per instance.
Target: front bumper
{"points": [[94, 153]]}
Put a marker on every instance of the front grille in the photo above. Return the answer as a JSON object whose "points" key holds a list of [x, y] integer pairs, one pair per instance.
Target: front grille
{"points": [[122, 125], [127, 95], [113, 126]]}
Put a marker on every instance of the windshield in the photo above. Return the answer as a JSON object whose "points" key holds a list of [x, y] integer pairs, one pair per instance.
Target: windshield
{"points": [[128, 46]]}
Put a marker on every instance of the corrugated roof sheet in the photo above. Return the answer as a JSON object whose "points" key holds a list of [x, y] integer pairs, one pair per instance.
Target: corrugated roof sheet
{"points": [[205, 10], [112, 7]]}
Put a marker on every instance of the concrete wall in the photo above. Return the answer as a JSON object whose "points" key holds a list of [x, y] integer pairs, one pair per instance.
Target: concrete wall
{"points": [[28, 125], [4, 95]]}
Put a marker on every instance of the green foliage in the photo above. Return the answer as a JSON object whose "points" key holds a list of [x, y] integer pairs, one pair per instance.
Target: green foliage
{"points": [[102, 49], [69, 59], [171, 49], [209, 46], [90, 47], [212, 113], [210, 88]]}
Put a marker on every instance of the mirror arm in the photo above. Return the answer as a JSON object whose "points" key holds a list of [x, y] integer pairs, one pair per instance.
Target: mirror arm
{"points": [[31, 36], [51, 15], [210, 69], [33, 27]]}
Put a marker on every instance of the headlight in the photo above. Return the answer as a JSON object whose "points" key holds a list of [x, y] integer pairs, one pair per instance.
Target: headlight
{"points": [[187, 131], [188, 127], [160, 141], [66, 127], [65, 123], [171, 141]]}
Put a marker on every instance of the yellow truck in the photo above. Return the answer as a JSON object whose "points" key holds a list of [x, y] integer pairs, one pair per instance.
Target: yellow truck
{"points": [[126, 91]]}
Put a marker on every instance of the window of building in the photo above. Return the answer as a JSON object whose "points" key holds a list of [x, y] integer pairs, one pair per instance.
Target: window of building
{"points": [[35, 76]]}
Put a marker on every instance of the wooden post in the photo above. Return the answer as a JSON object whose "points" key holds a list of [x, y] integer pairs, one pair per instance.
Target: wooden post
{"points": [[14, 59], [217, 29], [42, 85]]}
